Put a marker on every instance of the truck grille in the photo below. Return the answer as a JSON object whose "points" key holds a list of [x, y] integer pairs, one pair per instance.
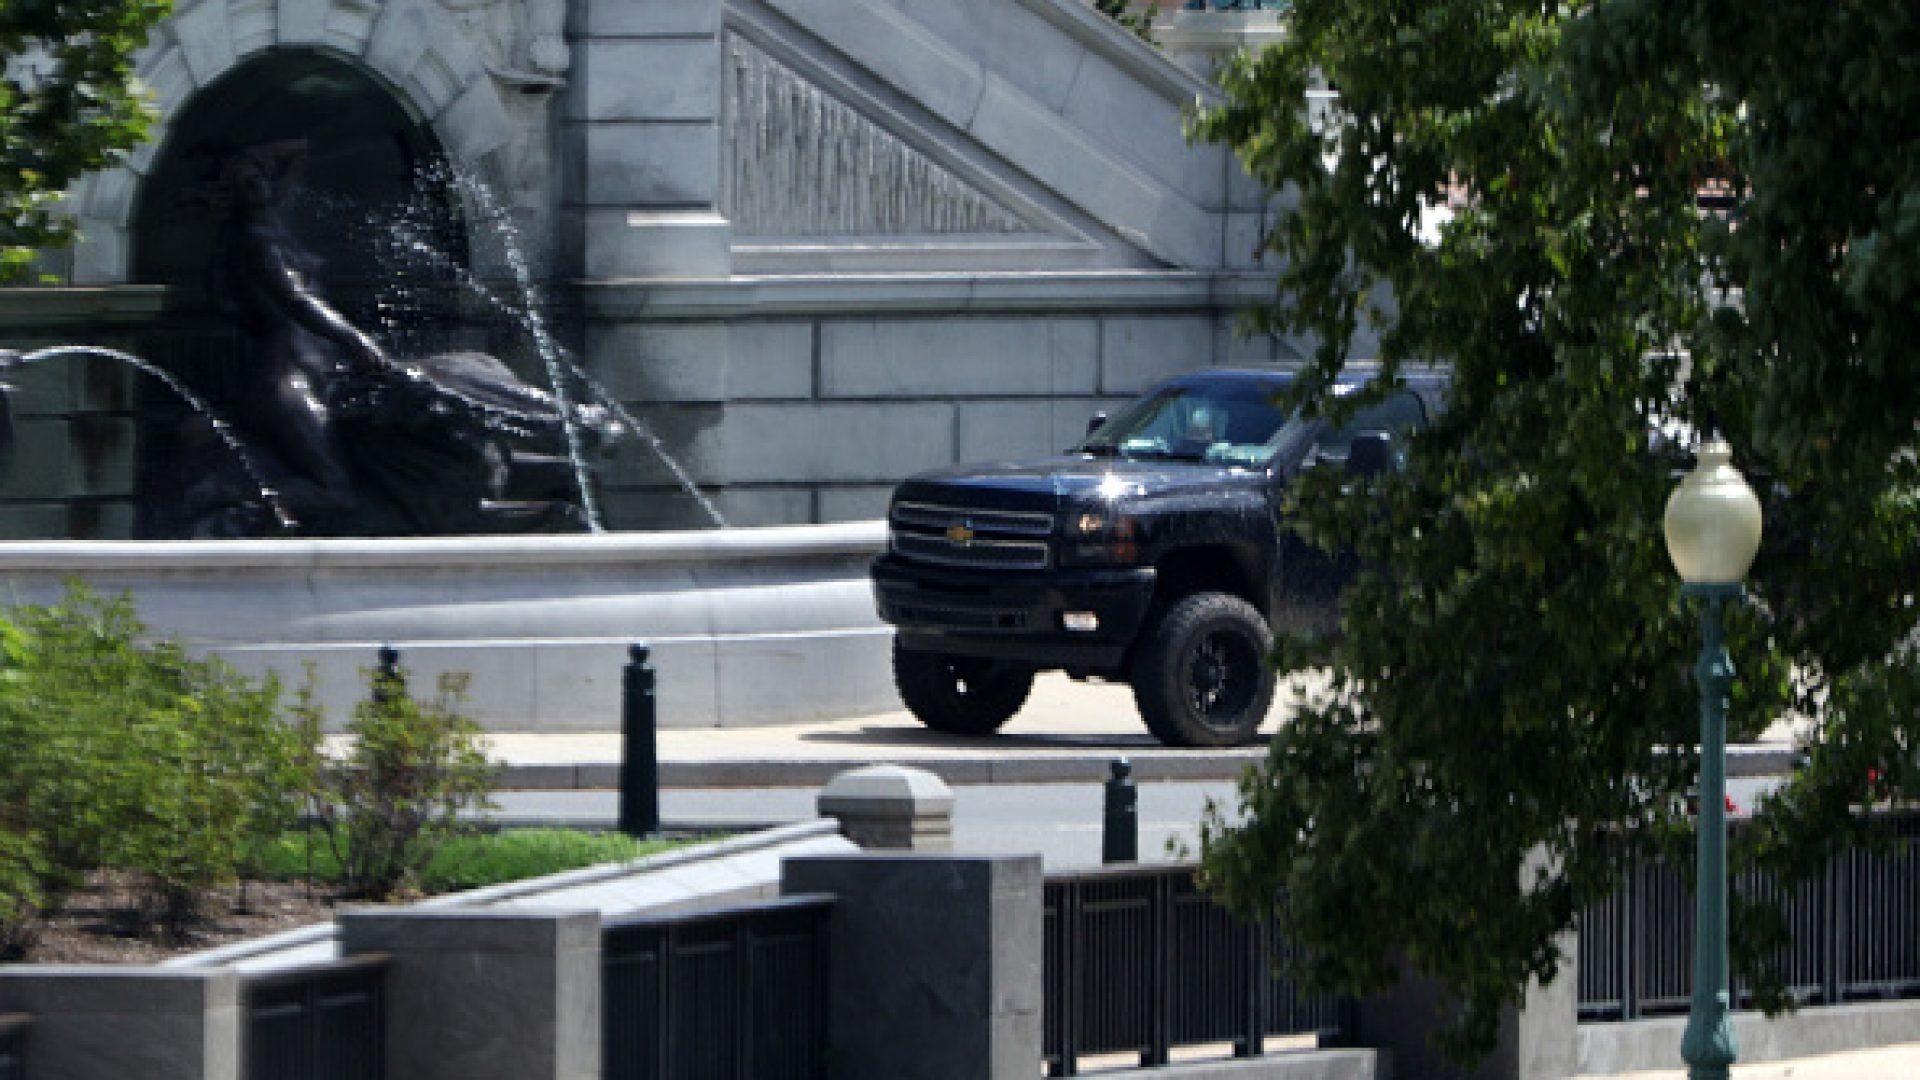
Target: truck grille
{"points": [[970, 536], [907, 613]]}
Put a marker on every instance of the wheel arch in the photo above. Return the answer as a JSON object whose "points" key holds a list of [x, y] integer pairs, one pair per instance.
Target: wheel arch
{"points": [[1223, 568]]}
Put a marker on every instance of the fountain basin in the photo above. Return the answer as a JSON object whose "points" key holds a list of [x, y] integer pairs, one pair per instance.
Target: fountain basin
{"points": [[746, 625]]}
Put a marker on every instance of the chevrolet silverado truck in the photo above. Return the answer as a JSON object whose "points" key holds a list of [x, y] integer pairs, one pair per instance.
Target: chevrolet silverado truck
{"points": [[1155, 553]]}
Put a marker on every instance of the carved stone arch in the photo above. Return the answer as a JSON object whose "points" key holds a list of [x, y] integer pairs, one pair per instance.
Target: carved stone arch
{"points": [[423, 59]]}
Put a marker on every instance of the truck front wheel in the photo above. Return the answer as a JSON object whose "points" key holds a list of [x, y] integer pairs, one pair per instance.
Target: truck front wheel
{"points": [[1201, 677], [960, 695]]}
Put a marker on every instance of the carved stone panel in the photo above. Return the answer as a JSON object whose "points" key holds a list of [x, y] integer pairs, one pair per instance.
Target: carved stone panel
{"points": [[801, 163]]}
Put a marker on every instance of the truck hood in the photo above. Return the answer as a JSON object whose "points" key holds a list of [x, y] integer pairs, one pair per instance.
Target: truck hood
{"points": [[1050, 483]]}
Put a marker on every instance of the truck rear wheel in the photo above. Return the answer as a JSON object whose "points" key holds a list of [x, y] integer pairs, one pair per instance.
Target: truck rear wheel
{"points": [[960, 695], [1201, 677]]}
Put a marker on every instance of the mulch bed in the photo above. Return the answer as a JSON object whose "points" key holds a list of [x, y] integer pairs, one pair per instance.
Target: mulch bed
{"points": [[102, 924]]}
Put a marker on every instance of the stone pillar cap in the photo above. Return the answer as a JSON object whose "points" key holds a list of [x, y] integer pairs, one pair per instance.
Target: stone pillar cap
{"points": [[875, 785]]}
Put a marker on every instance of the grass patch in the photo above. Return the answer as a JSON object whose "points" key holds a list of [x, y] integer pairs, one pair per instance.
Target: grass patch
{"points": [[472, 861]]}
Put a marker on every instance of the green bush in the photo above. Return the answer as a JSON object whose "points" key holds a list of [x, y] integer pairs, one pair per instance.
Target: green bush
{"points": [[472, 861], [121, 754], [412, 769], [1122, 12]]}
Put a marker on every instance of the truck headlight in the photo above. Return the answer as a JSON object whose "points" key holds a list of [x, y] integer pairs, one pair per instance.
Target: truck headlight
{"points": [[1103, 537]]}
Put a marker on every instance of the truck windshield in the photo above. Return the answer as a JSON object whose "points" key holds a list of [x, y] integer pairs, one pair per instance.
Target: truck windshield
{"points": [[1228, 423]]}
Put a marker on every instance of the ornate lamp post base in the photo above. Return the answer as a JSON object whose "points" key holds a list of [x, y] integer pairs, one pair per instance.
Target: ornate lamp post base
{"points": [[1709, 1046]]}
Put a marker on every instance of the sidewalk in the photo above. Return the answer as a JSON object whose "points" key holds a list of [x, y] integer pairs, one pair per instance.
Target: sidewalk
{"points": [[1067, 732], [1901, 1062]]}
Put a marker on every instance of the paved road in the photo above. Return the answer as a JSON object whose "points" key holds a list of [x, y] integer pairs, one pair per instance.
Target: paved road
{"points": [[1063, 823]]}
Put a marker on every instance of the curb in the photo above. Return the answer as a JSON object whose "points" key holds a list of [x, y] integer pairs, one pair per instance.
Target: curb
{"points": [[813, 772], [1007, 767]]}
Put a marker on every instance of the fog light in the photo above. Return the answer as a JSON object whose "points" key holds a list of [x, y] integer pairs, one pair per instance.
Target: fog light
{"points": [[1082, 621]]}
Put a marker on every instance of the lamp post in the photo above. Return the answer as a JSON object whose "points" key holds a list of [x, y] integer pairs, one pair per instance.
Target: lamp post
{"points": [[1712, 530]]}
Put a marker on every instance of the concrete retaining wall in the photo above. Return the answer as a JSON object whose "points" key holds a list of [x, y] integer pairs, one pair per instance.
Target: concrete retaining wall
{"points": [[1641, 1045]]}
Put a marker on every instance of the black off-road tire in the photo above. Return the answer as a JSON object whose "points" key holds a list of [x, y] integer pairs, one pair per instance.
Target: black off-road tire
{"points": [[1201, 676], [959, 695]]}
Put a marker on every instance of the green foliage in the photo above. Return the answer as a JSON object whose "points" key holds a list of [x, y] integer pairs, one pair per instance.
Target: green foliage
{"points": [[476, 861], [1510, 704], [1124, 13], [130, 755], [472, 861], [399, 792], [69, 104]]}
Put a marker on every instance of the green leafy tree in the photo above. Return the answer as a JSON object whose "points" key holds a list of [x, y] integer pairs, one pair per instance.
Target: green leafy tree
{"points": [[1516, 190], [69, 104], [126, 754]]}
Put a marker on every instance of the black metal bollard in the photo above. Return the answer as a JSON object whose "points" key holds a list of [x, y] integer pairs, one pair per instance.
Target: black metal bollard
{"points": [[639, 752], [387, 680], [1120, 839]]}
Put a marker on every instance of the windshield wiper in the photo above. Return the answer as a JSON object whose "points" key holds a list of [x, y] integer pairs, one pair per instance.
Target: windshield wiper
{"points": [[1144, 453]]}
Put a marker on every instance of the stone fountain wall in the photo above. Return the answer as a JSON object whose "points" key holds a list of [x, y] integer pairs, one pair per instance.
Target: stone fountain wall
{"points": [[745, 626]]}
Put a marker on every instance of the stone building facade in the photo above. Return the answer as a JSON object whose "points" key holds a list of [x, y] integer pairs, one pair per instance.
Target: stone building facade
{"points": [[812, 245]]}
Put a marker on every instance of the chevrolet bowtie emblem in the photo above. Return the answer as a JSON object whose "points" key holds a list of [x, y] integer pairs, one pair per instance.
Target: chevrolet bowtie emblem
{"points": [[961, 534]]}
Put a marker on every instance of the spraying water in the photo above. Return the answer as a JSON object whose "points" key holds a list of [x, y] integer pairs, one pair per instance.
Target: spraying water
{"points": [[408, 239], [221, 428]]}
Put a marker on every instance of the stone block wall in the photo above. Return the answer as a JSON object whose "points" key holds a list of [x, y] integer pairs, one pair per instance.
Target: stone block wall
{"points": [[70, 471], [809, 406]]}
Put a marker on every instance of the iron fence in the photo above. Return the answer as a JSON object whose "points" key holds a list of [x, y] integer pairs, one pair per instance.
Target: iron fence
{"points": [[13, 1036], [733, 994], [320, 1022], [1139, 960], [1854, 933]]}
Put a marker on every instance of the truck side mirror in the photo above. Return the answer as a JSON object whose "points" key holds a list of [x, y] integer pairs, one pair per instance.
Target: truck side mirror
{"points": [[1370, 454], [1095, 422]]}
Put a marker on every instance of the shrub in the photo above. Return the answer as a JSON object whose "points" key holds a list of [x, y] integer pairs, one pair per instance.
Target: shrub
{"points": [[413, 768], [474, 861], [1122, 12], [119, 754]]}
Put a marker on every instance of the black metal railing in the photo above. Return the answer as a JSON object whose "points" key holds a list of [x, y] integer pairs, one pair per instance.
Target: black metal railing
{"points": [[320, 1022], [1139, 960], [1855, 933], [732, 994], [13, 1037]]}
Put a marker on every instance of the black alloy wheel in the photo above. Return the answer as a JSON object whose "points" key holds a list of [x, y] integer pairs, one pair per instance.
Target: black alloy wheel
{"points": [[1201, 678], [959, 695]]}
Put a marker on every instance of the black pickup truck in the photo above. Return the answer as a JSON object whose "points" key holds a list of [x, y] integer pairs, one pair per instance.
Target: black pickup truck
{"points": [[1154, 553]]}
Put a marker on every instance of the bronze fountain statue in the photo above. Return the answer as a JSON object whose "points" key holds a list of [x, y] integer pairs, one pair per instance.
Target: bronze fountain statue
{"points": [[346, 440]]}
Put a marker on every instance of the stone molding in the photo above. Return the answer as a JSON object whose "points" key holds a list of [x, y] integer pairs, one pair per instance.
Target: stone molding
{"points": [[977, 293], [1141, 60], [412, 47], [860, 538]]}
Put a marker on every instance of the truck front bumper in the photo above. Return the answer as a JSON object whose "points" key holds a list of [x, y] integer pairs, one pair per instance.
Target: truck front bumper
{"points": [[1015, 615]]}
